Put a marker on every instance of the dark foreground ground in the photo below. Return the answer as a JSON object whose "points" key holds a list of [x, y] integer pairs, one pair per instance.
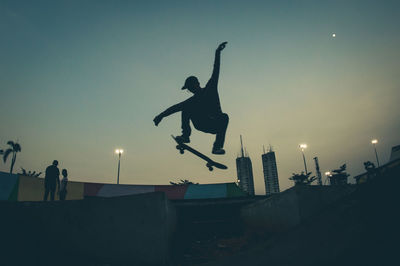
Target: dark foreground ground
{"points": [[361, 229]]}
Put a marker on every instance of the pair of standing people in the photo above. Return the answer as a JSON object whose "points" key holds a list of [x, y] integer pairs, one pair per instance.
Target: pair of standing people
{"points": [[52, 180]]}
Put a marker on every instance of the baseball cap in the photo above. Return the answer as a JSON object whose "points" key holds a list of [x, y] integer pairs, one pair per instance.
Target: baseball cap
{"points": [[190, 81]]}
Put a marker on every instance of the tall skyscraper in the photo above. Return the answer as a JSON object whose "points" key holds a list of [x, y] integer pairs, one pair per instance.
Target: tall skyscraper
{"points": [[270, 172], [245, 171]]}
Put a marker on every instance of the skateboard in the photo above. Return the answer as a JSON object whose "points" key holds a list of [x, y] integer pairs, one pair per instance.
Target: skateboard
{"points": [[210, 163]]}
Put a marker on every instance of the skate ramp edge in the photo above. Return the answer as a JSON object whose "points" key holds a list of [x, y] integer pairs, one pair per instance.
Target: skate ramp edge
{"points": [[285, 210], [131, 229]]}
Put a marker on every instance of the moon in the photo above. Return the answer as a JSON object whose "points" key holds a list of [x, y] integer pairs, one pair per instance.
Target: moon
{"points": [[333, 35]]}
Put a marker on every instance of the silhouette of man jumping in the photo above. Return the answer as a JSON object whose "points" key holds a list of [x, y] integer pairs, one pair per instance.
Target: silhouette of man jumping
{"points": [[203, 108]]}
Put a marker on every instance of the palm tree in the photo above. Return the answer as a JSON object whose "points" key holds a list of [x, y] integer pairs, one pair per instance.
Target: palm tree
{"points": [[15, 147], [30, 173], [339, 176], [183, 182], [302, 178]]}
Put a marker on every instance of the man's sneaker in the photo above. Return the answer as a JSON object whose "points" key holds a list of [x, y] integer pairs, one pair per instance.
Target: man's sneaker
{"points": [[219, 151], [183, 139]]}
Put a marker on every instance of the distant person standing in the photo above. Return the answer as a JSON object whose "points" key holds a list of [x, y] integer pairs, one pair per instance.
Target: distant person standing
{"points": [[51, 180], [63, 186]]}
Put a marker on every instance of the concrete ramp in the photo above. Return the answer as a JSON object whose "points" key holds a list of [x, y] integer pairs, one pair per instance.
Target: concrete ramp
{"points": [[134, 230], [285, 210]]}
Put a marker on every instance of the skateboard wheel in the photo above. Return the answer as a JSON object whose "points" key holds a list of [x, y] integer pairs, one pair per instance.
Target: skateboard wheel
{"points": [[180, 149], [210, 168]]}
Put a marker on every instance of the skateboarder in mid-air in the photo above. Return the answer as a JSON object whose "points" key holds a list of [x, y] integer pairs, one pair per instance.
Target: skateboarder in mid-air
{"points": [[203, 108]]}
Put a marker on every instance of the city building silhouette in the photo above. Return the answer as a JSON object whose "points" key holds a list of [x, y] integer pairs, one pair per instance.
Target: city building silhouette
{"points": [[270, 172], [395, 154], [245, 171]]}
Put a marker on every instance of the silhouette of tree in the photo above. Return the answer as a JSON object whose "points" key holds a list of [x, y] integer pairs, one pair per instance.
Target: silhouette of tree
{"points": [[371, 170], [302, 178], [183, 182], [33, 174], [339, 176], [15, 148], [369, 166]]}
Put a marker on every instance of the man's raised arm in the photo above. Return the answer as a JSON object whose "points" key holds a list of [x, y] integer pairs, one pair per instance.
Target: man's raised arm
{"points": [[217, 62]]}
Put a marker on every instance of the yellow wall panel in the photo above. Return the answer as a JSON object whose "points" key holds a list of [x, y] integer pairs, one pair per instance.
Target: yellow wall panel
{"points": [[32, 189]]}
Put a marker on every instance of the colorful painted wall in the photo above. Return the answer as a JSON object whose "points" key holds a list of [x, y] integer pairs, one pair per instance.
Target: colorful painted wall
{"points": [[32, 189], [8, 186], [26, 188]]}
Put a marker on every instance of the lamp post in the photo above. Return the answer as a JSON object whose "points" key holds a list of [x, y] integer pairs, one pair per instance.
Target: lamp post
{"points": [[328, 175], [374, 142], [119, 152], [303, 147]]}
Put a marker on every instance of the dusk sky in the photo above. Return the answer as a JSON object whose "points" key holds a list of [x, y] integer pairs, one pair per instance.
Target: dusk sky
{"points": [[79, 79]]}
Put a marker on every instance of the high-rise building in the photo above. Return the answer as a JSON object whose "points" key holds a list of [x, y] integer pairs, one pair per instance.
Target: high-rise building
{"points": [[270, 172], [245, 172], [318, 171], [395, 154]]}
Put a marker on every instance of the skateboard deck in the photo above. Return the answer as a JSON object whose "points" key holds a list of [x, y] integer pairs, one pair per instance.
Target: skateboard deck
{"points": [[210, 163]]}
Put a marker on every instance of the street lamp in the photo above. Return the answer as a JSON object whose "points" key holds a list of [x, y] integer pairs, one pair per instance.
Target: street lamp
{"points": [[303, 147], [119, 152], [374, 142], [328, 175]]}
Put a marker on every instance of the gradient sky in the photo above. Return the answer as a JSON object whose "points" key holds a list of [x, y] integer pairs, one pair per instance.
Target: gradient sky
{"points": [[81, 78]]}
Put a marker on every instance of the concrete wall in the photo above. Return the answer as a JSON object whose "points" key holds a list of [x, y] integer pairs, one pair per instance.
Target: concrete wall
{"points": [[133, 229], [283, 211], [275, 213], [313, 199]]}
